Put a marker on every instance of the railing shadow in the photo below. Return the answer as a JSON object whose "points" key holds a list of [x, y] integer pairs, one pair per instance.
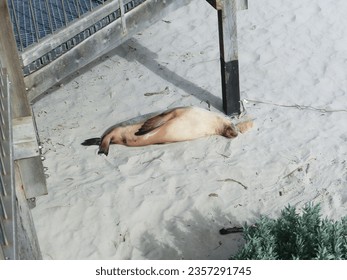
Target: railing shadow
{"points": [[149, 59], [194, 239]]}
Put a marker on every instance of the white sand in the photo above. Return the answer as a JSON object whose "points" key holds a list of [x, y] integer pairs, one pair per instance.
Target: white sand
{"points": [[169, 201]]}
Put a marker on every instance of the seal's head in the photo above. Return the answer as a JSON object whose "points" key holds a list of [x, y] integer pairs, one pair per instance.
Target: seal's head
{"points": [[229, 131]]}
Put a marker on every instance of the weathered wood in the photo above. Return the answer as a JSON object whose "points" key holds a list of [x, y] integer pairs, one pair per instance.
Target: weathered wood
{"points": [[10, 60], [226, 10], [24, 138], [20, 109], [32, 177], [27, 242], [229, 56], [99, 44], [230, 87], [122, 16], [8, 232]]}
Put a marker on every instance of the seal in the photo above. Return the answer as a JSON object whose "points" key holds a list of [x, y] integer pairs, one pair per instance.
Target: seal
{"points": [[174, 125]]}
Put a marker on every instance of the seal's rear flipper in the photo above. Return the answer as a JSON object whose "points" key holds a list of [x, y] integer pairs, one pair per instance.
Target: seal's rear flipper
{"points": [[92, 141], [155, 122]]}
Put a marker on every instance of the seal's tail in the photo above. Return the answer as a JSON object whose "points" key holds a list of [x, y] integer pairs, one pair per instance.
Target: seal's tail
{"points": [[92, 141]]}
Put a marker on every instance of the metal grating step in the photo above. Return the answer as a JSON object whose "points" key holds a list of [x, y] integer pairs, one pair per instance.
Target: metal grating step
{"points": [[35, 19]]}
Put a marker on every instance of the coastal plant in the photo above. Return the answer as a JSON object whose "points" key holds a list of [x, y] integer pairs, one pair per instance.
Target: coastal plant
{"points": [[305, 236]]}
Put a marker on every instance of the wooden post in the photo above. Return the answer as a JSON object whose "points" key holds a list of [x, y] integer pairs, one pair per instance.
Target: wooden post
{"points": [[28, 171], [226, 10]]}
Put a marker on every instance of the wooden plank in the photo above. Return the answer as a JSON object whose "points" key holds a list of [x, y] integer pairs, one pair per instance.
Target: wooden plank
{"points": [[24, 138], [122, 15], [19, 104], [229, 56], [9, 58], [32, 177], [27, 242], [8, 232], [90, 49]]}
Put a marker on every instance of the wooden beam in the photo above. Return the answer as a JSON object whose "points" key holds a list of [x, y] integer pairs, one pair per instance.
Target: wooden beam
{"points": [[8, 232], [26, 168], [10, 60], [32, 177], [122, 16], [28, 245], [24, 138], [229, 56]]}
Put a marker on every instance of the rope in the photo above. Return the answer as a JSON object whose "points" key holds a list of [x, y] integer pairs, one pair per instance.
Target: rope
{"points": [[297, 106]]}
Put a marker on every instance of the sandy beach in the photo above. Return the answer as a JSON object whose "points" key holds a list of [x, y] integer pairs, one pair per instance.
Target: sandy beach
{"points": [[169, 201]]}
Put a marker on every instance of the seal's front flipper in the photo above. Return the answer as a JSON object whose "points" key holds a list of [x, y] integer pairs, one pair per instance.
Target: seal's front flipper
{"points": [[155, 122]]}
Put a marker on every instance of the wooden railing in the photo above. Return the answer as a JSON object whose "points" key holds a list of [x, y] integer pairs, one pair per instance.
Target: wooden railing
{"points": [[21, 168], [8, 236]]}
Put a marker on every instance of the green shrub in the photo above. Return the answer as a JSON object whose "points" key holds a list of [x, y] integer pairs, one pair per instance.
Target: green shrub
{"points": [[294, 236]]}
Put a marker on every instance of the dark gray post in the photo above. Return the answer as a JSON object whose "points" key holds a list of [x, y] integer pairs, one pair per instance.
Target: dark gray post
{"points": [[226, 10]]}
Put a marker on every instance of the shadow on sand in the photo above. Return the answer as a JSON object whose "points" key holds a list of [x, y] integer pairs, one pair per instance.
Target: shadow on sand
{"points": [[149, 59], [194, 239]]}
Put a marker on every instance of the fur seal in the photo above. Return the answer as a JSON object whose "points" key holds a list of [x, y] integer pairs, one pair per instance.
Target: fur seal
{"points": [[174, 125]]}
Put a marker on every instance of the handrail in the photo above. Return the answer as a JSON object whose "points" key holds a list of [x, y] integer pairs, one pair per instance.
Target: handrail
{"points": [[8, 232]]}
